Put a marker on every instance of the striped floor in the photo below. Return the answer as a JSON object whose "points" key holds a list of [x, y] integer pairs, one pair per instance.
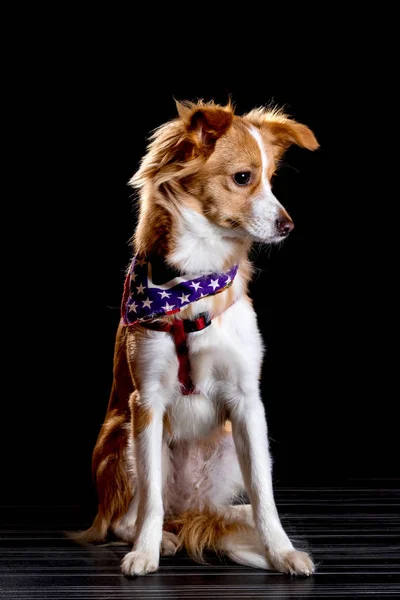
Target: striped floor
{"points": [[353, 535]]}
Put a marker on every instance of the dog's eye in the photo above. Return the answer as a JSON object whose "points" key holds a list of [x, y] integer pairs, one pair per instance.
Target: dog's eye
{"points": [[242, 178]]}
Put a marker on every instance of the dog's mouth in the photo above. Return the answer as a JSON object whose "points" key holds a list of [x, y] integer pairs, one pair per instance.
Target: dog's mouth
{"points": [[266, 231], [280, 236]]}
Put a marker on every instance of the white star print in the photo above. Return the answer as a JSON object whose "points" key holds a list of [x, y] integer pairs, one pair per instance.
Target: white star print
{"points": [[184, 298], [164, 295], [141, 262], [168, 307], [228, 280], [140, 288], [133, 307], [214, 284], [147, 303], [133, 276], [195, 285]]}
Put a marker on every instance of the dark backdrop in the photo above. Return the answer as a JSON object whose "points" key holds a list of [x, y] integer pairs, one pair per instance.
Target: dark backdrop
{"points": [[325, 299]]}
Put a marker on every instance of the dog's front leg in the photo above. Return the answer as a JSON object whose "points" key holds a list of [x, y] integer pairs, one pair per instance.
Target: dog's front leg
{"points": [[147, 431], [249, 430]]}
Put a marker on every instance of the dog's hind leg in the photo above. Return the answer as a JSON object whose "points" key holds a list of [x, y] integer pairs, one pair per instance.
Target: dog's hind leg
{"points": [[112, 477], [245, 548], [223, 531]]}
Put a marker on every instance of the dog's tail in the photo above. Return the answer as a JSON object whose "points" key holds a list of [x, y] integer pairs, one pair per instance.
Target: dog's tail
{"points": [[212, 530], [95, 534]]}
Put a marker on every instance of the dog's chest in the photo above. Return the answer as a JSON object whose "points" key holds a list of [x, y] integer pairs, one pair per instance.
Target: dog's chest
{"points": [[192, 416], [221, 358], [196, 414]]}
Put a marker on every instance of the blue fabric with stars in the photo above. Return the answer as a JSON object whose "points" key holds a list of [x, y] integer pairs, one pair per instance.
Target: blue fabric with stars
{"points": [[145, 301]]}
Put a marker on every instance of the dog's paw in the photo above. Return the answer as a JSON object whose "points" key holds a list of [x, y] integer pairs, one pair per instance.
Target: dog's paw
{"points": [[293, 562], [169, 544], [139, 563]]}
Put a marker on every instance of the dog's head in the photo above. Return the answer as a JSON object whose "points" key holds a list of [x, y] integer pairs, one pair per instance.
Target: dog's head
{"points": [[222, 164]]}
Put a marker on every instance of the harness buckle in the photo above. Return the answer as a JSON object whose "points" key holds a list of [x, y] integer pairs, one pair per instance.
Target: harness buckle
{"points": [[198, 324], [207, 319]]}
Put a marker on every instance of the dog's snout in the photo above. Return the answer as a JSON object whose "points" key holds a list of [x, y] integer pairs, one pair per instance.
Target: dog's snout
{"points": [[284, 225]]}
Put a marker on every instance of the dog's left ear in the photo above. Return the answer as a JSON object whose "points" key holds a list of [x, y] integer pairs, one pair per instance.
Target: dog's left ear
{"points": [[290, 132], [281, 130], [205, 123]]}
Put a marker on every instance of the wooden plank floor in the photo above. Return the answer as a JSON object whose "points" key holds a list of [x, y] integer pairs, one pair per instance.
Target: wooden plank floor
{"points": [[353, 534]]}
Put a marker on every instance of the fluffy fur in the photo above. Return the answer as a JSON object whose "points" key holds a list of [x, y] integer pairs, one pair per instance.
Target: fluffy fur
{"points": [[168, 467]]}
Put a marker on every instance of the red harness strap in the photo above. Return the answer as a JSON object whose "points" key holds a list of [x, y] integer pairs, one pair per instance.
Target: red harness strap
{"points": [[179, 329]]}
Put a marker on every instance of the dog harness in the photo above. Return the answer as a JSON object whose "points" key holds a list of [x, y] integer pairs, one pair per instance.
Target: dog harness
{"points": [[154, 290]]}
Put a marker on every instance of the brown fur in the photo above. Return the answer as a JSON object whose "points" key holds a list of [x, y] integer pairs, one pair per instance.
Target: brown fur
{"points": [[142, 417], [113, 485], [201, 531], [280, 131], [167, 424]]}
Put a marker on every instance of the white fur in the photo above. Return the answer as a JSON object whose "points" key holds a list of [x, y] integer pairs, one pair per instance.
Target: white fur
{"points": [[225, 366], [202, 248], [246, 548], [264, 158], [265, 207], [203, 475]]}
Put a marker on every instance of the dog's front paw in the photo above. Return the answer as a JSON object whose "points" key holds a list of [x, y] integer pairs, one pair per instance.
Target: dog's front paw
{"points": [[293, 562], [139, 563]]}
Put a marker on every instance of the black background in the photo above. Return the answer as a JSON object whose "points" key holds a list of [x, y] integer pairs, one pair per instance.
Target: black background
{"points": [[84, 100]]}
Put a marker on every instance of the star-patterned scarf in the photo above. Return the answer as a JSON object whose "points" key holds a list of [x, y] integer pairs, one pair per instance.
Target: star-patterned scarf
{"points": [[144, 300]]}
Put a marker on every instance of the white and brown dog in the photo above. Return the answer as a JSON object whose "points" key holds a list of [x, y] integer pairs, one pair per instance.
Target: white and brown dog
{"points": [[185, 432]]}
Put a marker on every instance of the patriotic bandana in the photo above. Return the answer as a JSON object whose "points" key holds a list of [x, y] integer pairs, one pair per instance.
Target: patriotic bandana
{"points": [[145, 300]]}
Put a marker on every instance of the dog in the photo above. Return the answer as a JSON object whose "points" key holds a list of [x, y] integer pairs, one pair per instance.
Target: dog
{"points": [[185, 434]]}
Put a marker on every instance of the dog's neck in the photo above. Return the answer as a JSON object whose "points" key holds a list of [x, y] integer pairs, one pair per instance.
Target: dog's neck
{"points": [[203, 247], [178, 237], [194, 245]]}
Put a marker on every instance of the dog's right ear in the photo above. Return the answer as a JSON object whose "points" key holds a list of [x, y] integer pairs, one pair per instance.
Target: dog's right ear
{"points": [[205, 123], [175, 144]]}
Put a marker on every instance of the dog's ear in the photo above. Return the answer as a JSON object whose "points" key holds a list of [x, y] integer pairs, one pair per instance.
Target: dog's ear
{"points": [[282, 131], [205, 123], [291, 132]]}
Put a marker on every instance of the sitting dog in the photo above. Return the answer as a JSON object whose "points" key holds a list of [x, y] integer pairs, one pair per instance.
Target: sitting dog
{"points": [[185, 432]]}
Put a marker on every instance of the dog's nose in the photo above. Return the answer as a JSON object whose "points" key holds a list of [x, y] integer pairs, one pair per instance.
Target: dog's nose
{"points": [[284, 226]]}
